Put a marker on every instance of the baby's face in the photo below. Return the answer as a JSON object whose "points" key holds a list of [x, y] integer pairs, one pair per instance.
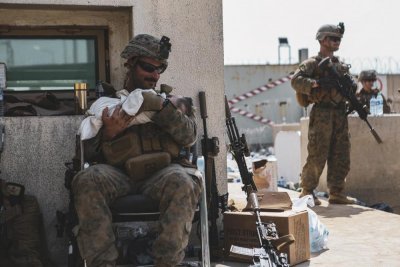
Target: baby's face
{"points": [[182, 107], [180, 103]]}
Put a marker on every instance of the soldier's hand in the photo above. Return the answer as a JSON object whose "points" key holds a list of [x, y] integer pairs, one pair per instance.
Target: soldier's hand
{"points": [[314, 84], [151, 102], [116, 123], [363, 112]]}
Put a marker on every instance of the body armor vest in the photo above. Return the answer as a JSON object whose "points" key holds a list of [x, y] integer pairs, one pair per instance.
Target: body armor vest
{"points": [[142, 150]]}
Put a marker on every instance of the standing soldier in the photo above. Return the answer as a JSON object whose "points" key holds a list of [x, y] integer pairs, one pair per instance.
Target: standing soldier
{"points": [[328, 134], [367, 79]]}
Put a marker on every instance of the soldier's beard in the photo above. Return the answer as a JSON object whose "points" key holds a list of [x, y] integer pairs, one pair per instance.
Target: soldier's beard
{"points": [[130, 83], [150, 83], [151, 80]]}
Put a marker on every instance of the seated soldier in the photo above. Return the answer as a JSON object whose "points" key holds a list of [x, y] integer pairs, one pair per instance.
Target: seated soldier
{"points": [[173, 184]]}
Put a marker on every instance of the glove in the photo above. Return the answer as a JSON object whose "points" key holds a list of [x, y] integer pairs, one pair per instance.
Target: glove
{"points": [[327, 83], [362, 112], [151, 102]]}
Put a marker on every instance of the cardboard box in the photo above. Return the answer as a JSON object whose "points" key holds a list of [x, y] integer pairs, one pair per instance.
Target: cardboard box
{"points": [[240, 230]]}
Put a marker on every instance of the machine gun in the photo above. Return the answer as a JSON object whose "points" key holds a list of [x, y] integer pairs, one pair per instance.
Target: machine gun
{"points": [[344, 84], [239, 149], [267, 255]]}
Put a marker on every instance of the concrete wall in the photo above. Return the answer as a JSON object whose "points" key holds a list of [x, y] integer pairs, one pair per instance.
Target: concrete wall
{"points": [[37, 147], [240, 79], [196, 62], [35, 150], [375, 169], [393, 91]]}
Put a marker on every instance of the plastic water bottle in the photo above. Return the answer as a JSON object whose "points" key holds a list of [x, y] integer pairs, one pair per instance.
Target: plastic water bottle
{"points": [[379, 104], [282, 182], [372, 105]]}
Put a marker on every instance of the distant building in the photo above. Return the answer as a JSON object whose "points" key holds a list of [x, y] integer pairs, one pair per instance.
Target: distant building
{"points": [[277, 104]]}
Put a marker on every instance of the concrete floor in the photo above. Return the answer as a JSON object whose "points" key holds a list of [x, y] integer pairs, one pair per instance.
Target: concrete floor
{"points": [[359, 236]]}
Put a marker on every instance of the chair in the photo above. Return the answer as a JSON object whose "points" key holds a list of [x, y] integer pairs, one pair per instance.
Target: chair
{"points": [[140, 208], [129, 208]]}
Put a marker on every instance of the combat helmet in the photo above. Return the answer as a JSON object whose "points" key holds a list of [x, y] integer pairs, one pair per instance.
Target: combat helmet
{"points": [[367, 75], [330, 30], [148, 46]]}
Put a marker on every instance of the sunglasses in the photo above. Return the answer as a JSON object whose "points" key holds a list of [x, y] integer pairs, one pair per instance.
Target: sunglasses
{"points": [[150, 68], [334, 38], [370, 80]]}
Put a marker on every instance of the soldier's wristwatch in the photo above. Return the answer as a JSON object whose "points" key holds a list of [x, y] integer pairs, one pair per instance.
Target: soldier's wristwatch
{"points": [[314, 84], [165, 103]]}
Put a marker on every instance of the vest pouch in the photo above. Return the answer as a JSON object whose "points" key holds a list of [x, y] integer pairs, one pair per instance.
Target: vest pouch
{"points": [[170, 146], [142, 167], [118, 151]]}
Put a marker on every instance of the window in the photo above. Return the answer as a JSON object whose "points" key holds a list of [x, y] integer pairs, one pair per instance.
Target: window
{"points": [[53, 59], [47, 64]]}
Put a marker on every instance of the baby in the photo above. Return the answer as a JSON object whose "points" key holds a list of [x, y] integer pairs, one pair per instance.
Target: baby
{"points": [[184, 104], [131, 103]]}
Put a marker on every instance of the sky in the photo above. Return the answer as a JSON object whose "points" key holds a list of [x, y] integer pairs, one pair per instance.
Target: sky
{"points": [[371, 39]]}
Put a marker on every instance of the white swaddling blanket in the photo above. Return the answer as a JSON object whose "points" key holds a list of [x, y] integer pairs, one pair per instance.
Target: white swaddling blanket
{"points": [[131, 103]]}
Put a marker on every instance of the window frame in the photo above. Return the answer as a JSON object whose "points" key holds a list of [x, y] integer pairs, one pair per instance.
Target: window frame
{"points": [[98, 33]]}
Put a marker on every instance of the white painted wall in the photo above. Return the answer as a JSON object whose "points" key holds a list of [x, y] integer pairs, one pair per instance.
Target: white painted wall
{"points": [[374, 169], [287, 153]]}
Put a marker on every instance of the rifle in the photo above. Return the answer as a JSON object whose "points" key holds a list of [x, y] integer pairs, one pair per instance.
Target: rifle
{"points": [[267, 255], [210, 149], [66, 221], [344, 84]]}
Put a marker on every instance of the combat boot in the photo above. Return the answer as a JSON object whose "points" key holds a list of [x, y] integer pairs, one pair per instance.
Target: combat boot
{"points": [[305, 192], [339, 198]]}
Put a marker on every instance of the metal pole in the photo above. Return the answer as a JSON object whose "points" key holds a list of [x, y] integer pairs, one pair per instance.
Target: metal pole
{"points": [[205, 248]]}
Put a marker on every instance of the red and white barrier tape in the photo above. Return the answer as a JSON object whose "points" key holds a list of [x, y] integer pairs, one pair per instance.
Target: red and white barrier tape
{"points": [[260, 89], [252, 116]]}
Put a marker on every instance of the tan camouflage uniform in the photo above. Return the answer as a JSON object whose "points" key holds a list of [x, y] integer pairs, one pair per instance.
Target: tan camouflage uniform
{"points": [[177, 188], [364, 97], [328, 134]]}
